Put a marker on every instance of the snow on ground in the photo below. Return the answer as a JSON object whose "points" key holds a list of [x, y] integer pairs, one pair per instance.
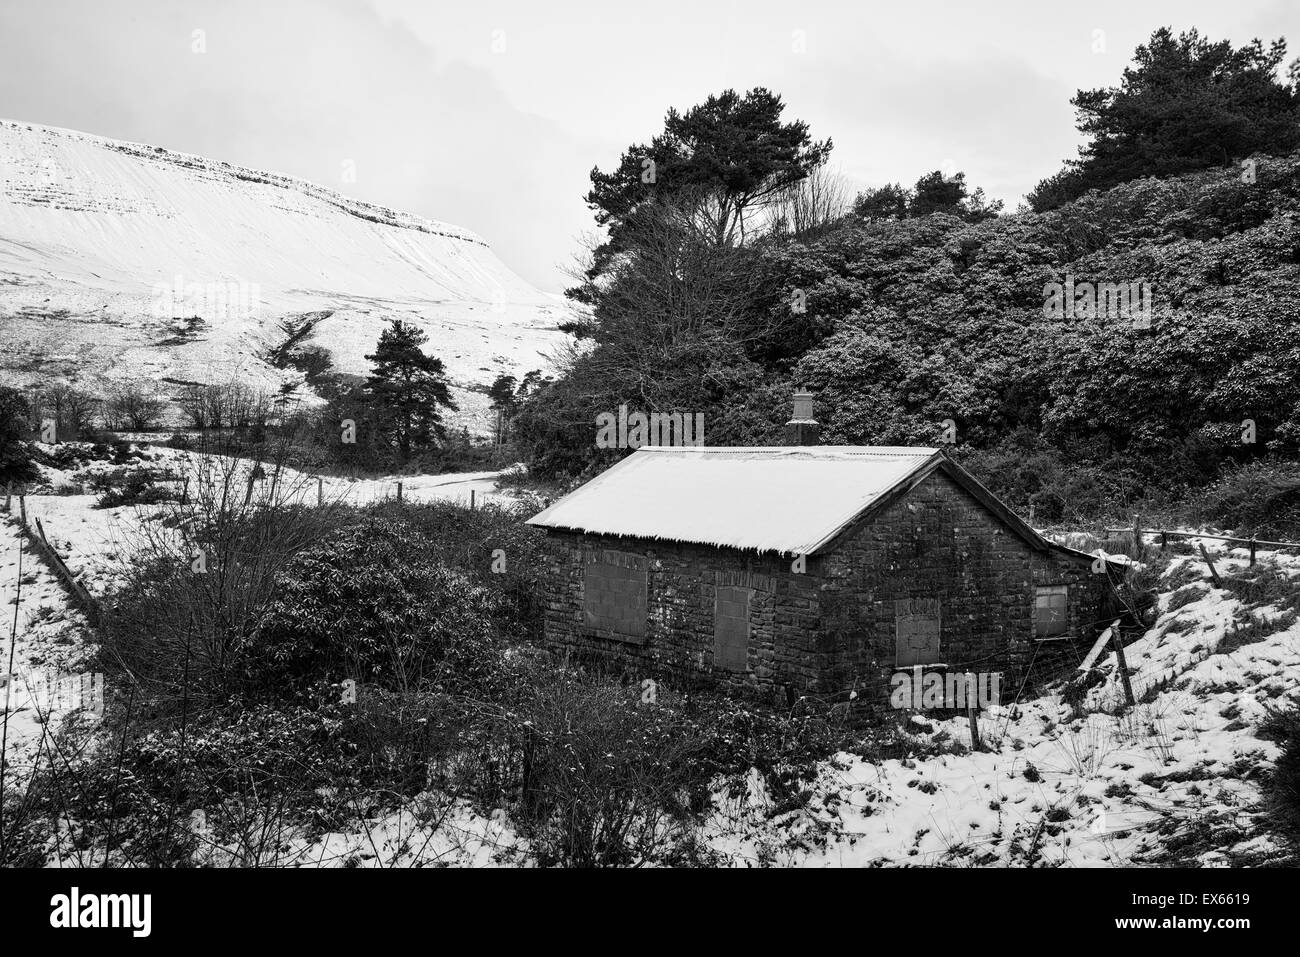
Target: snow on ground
{"points": [[1055, 788], [431, 830], [96, 542], [46, 638]]}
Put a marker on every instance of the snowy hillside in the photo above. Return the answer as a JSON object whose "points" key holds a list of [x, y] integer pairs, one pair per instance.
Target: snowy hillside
{"points": [[107, 248]]}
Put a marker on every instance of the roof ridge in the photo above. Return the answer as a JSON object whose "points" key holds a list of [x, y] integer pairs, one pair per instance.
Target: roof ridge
{"points": [[864, 450]]}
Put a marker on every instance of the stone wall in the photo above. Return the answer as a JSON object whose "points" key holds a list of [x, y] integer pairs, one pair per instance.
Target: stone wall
{"points": [[830, 628], [683, 581], [939, 543]]}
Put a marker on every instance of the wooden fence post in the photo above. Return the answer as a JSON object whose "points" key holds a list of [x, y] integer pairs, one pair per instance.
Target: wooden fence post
{"points": [[1117, 639], [972, 713], [399, 491], [1214, 575], [80, 596], [1252, 549], [320, 490], [471, 500]]}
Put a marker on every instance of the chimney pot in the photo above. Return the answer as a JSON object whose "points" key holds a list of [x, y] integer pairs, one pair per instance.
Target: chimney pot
{"points": [[802, 428]]}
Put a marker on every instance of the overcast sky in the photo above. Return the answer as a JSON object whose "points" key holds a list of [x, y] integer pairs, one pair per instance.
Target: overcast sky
{"points": [[491, 113]]}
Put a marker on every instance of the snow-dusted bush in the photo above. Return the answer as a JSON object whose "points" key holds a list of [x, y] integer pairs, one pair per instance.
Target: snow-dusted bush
{"points": [[125, 486], [1261, 497], [15, 453], [199, 581], [492, 546], [370, 604]]}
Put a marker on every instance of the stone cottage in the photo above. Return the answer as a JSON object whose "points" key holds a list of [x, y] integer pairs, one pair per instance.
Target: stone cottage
{"points": [[811, 570]]}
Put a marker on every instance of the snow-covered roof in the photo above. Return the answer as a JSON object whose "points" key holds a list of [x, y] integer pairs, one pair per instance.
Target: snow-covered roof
{"points": [[787, 499]]}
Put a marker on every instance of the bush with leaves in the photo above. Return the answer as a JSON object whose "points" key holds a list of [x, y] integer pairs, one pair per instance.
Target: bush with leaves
{"points": [[128, 486], [1261, 497], [368, 604], [16, 465]]}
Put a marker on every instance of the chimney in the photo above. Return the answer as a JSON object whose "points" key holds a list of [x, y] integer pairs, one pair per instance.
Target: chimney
{"points": [[802, 428]]}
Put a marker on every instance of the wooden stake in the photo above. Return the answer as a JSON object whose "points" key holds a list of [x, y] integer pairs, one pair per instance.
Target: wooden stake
{"points": [[1117, 639], [972, 714], [320, 490], [399, 491], [1214, 575], [471, 499], [1102, 641], [1252, 549], [1137, 537]]}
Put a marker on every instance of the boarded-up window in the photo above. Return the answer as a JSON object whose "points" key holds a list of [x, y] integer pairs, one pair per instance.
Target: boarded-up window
{"points": [[916, 631], [731, 628], [614, 594], [1051, 616]]}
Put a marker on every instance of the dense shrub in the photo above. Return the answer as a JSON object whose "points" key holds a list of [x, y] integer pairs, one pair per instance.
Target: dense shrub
{"points": [[130, 487], [492, 545], [252, 771], [200, 578], [1262, 497], [369, 604], [15, 451]]}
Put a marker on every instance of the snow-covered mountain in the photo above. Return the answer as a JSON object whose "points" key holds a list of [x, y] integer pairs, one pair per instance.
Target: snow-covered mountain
{"points": [[108, 249]]}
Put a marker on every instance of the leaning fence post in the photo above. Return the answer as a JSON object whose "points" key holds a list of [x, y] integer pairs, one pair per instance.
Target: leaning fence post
{"points": [[1117, 638], [1214, 574]]}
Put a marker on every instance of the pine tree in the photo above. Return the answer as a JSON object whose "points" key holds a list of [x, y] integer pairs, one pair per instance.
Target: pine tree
{"points": [[407, 389], [1187, 103]]}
